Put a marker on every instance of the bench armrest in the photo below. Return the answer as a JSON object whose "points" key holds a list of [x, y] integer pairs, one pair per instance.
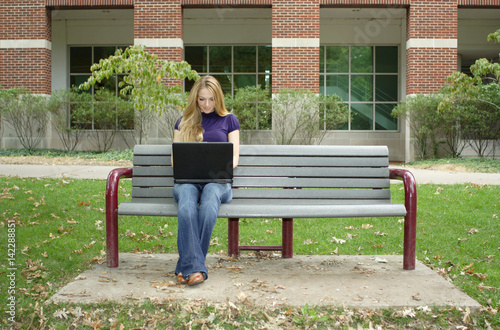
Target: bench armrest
{"points": [[410, 232], [112, 213]]}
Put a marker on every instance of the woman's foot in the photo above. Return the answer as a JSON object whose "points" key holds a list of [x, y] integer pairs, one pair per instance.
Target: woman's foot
{"points": [[181, 279], [196, 278]]}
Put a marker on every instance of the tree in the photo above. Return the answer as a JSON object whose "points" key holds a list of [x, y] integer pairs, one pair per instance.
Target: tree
{"points": [[143, 83]]}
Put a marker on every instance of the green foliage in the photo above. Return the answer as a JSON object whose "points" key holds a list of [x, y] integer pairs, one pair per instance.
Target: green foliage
{"points": [[252, 107], [244, 106], [425, 122], [334, 113], [143, 82], [494, 37], [27, 114]]}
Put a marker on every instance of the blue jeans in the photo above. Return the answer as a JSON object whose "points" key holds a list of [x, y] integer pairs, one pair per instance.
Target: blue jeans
{"points": [[198, 207]]}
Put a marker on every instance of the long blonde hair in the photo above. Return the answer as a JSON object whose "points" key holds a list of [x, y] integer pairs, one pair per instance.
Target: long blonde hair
{"points": [[190, 126]]}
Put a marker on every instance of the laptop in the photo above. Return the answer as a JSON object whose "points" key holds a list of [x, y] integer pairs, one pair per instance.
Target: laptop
{"points": [[203, 162]]}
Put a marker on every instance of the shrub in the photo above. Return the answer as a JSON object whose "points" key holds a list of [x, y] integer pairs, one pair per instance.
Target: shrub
{"points": [[425, 123], [27, 114], [302, 117]]}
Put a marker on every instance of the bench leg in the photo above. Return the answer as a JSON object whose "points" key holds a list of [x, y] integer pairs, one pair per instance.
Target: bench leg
{"points": [[112, 214], [287, 238], [410, 235], [233, 234]]}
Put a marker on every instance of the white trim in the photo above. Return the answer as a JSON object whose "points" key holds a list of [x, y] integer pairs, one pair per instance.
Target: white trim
{"points": [[295, 42], [431, 43], [26, 43], [160, 42]]}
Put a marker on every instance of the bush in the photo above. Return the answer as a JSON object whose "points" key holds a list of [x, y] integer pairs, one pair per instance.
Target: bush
{"points": [[69, 116], [302, 117], [28, 114], [425, 123]]}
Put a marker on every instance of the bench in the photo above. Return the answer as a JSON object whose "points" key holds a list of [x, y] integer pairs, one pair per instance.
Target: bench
{"points": [[275, 181]]}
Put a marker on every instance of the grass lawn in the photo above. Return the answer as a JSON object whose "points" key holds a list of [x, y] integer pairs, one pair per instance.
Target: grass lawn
{"points": [[57, 230]]}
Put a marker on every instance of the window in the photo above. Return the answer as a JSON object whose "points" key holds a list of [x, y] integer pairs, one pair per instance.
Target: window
{"points": [[236, 67], [367, 79], [81, 59]]}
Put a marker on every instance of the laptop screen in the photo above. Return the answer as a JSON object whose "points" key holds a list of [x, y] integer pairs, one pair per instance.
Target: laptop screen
{"points": [[203, 162]]}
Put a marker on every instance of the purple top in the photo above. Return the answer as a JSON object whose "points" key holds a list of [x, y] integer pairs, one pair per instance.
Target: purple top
{"points": [[215, 127]]}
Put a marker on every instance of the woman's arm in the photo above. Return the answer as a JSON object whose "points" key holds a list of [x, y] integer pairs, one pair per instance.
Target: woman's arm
{"points": [[234, 137]]}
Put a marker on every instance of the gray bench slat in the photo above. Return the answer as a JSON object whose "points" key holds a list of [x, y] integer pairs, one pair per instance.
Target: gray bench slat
{"points": [[148, 160], [238, 209], [157, 171], [279, 193], [316, 161], [164, 160], [158, 202], [277, 182], [279, 150]]}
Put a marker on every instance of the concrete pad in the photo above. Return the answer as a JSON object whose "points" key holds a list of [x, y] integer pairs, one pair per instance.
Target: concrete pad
{"points": [[352, 281]]}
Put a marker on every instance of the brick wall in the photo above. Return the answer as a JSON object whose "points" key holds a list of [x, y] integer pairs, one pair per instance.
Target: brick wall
{"points": [[25, 63], [295, 33], [432, 31], [160, 22]]}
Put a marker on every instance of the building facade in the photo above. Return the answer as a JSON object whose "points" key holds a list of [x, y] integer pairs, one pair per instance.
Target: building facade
{"points": [[372, 53]]}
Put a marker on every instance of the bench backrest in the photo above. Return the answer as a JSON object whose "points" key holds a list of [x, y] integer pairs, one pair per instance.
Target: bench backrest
{"points": [[325, 174]]}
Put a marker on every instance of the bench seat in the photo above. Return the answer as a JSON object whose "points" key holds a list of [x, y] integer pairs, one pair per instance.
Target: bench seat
{"points": [[275, 209]]}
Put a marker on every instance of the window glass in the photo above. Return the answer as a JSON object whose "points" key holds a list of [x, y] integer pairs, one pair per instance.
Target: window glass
{"points": [[339, 85], [265, 59], [245, 58], [225, 82], [103, 52], [386, 59], [80, 59], [362, 59], [77, 80], [337, 59], [361, 88], [219, 59], [321, 61], [362, 116], [386, 88], [265, 82], [197, 57], [383, 118], [241, 81]]}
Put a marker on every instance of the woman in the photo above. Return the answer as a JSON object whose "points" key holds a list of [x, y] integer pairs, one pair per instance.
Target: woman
{"points": [[205, 119]]}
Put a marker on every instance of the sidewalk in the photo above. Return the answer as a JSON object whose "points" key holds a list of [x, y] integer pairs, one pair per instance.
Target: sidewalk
{"points": [[101, 172]]}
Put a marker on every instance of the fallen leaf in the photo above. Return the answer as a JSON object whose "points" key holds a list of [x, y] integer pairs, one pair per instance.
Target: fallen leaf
{"points": [[337, 240], [366, 226], [472, 231]]}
